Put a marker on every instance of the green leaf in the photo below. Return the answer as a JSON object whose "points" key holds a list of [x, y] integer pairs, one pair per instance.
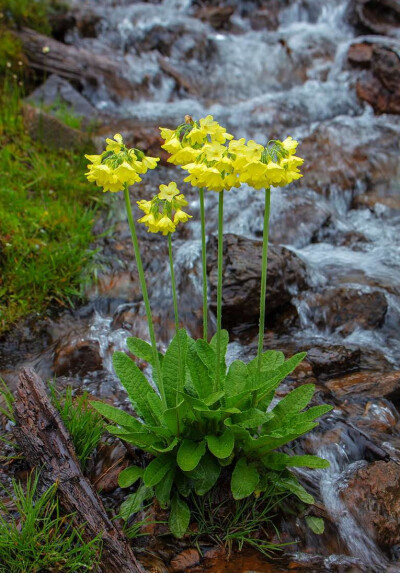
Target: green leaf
{"points": [[206, 355], [199, 374], [294, 402], [173, 368], [313, 413], [140, 439], [157, 469], [168, 448], [270, 360], [279, 461], [205, 475], [156, 406], [224, 339], [129, 476], [202, 403], [179, 517], [271, 380], [174, 418], [134, 502], [251, 418], [221, 446], [245, 478], [190, 454], [142, 349], [292, 485], [316, 524], [136, 385], [163, 489], [237, 380], [117, 416]]}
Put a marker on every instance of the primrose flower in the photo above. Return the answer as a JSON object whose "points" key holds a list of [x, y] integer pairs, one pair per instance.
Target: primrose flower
{"points": [[118, 166], [186, 141], [164, 212], [260, 167]]}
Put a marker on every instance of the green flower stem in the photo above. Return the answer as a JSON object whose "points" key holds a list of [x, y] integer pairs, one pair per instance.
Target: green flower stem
{"points": [[219, 286], [173, 283], [204, 264], [175, 302], [263, 284], [142, 280]]}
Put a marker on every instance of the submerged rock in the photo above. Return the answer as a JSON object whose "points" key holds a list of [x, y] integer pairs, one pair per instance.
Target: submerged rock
{"points": [[379, 17]]}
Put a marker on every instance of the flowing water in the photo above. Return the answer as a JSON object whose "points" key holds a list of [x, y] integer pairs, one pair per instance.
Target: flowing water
{"points": [[260, 83]]}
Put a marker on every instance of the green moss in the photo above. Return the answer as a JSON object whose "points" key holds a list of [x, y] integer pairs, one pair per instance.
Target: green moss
{"points": [[27, 13], [47, 210]]}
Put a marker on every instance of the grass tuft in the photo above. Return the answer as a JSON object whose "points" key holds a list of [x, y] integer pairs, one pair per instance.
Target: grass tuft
{"points": [[84, 424], [36, 537], [234, 525]]}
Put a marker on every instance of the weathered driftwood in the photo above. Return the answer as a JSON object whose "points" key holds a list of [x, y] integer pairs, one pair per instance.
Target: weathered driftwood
{"points": [[76, 64], [47, 445]]}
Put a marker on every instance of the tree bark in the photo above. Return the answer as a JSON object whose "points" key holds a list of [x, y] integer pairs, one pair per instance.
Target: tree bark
{"points": [[46, 444]]}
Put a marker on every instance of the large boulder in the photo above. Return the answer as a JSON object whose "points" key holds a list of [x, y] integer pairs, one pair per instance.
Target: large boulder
{"points": [[242, 278], [372, 494]]}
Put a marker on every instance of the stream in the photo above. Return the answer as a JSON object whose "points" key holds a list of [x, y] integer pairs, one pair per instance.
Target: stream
{"points": [[264, 74]]}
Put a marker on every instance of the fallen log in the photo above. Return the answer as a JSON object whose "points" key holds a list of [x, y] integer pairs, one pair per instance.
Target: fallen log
{"points": [[76, 64], [47, 445]]}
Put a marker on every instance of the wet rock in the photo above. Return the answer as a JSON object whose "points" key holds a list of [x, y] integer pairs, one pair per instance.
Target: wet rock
{"points": [[75, 356], [335, 359], [338, 162], [57, 92], [379, 84], [372, 200], [379, 17], [186, 559], [343, 310], [217, 16], [379, 384], [241, 278], [373, 496], [50, 130]]}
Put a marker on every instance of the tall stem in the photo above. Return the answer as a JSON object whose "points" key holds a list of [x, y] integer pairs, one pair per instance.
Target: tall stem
{"points": [[263, 279], [204, 264], [142, 280], [175, 302], [173, 283], [219, 286]]}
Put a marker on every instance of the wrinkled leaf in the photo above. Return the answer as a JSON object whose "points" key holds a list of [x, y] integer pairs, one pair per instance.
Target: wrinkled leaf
{"points": [[179, 517], [129, 476], [245, 478], [221, 446], [190, 454], [157, 469]]}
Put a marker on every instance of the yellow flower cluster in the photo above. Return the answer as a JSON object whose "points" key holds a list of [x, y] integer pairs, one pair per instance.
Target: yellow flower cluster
{"points": [[186, 141], [118, 166], [164, 211], [216, 161], [260, 167]]}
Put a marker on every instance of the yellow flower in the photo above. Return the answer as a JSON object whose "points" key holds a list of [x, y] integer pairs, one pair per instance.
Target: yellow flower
{"points": [[164, 212], [168, 192], [181, 217], [118, 166], [115, 145], [184, 155], [166, 225]]}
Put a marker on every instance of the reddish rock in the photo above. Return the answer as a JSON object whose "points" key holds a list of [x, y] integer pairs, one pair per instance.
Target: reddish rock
{"points": [[380, 85], [373, 496], [344, 309], [241, 278], [360, 54], [386, 384], [218, 16], [188, 558], [370, 200]]}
